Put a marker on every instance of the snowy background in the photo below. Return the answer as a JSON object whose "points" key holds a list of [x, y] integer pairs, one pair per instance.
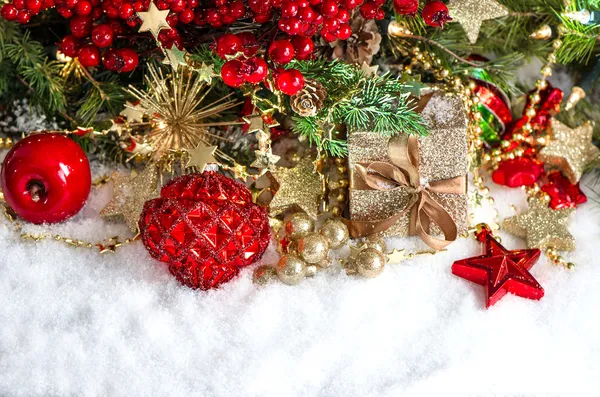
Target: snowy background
{"points": [[74, 323]]}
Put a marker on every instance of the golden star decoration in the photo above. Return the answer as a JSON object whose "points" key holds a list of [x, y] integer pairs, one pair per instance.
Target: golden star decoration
{"points": [[153, 20], [132, 113], [201, 156], [397, 256], [369, 70], [570, 150], [206, 72], [265, 161], [471, 14], [130, 192], [299, 186], [542, 227], [175, 57]]}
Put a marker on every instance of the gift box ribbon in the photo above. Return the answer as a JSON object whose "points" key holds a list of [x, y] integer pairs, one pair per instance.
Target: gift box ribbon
{"points": [[403, 173]]}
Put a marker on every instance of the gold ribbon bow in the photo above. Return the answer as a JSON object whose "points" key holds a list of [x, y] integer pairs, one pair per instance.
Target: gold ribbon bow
{"points": [[403, 173]]}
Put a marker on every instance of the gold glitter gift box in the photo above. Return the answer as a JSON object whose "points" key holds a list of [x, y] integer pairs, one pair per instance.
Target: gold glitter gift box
{"points": [[442, 156]]}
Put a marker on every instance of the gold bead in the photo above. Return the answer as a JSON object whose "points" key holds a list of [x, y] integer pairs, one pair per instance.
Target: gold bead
{"points": [[486, 158], [457, 81], [472, 85], [335, 232], [541, 140], [478, 130], [313, 248], [552, 58], [341, 197], [570, 265], [528, 127], [325, 263], [342, 169], [519, 137], [298, 225], [416, 50], [369, 262], [291, 269], [444, 73], [336, 211], [310, 271], [530, 112], [340, 161], [505, 144], [556, 44], [344, 183], [419, 57], [376, 241], [426, 65], [535, 98], [264, 274], [541, 84], [546, 71], [476, 100]]}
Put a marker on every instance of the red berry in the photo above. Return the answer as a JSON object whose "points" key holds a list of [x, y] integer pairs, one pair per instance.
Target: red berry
{"points": [[237, 9], [249, 43], [97, 13], [129, 59], [102, 36], [81, 26], [281, 51], [289, 9], [64, 12], [23, 16], [229, 44], [9, 12], [19, 4], [89, 56], [369, 10], [178, 5], [254, 70], [263, 18], [306, 14], [186, 16], [328, 36], [46, 178], [331, 24], [68, 46], [304, 47], [329, 7], [83, 7], [231, 73], [436, 14], [344, 32], [406, 7], [289, 81], [33, 6], [343, 15], [111, 60], [125, 10]]}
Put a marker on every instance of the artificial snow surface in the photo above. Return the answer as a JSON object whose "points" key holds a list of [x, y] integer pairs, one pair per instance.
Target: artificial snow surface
{"points": [[73, 323]]}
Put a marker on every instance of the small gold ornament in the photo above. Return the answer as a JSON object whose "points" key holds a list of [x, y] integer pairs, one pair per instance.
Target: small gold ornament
{"points": [[335, 232], [542, 226], [132, 113], [265, 160], [369, 262], [175, 57], [543, 33], [313, 248], [205, 72], [153, 20], [298, 225], [471, 14], [571, 150], [291, 269], [577, 94], [130, 192], [375, 241], [299, 186], [201, 156], [397, 256], [264, 274]]}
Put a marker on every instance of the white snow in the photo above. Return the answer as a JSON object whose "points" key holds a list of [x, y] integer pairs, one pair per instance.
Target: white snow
{"points": [[73, 323]]}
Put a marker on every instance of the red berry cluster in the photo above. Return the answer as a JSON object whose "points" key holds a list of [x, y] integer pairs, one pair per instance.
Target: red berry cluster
{"points": [[435, 12]]}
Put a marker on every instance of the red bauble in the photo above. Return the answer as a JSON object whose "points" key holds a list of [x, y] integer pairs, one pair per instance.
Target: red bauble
{"points": [[206, 227], [231, 73], [102, 36], [289, 81], [501, 270], [519, 172], [46, 178], [563, 193], [89, 56], [281, 51], [436, 14], [406, 7]]}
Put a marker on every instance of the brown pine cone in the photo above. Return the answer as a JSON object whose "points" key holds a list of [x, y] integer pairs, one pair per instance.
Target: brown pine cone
{"points": [[309, 100]]}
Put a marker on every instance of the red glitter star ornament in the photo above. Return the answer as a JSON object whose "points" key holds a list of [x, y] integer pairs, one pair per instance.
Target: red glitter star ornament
{"points": [[500, 270]]}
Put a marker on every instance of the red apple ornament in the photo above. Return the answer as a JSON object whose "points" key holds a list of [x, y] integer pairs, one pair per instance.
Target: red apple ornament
{"points": [[46, 178]]}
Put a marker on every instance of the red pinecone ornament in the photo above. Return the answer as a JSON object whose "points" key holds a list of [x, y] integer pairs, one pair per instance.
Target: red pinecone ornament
{"points": [[206, 227]]}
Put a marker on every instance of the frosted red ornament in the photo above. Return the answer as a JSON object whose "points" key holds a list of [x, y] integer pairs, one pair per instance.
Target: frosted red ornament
{"points": [[206, 227]]}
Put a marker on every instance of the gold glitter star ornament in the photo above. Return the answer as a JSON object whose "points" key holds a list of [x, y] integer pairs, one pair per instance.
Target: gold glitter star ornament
{"points": [[130, 192], [299, 186], [542, 226], [471, 14], [201, 156], [153, 20], [571, 150]]}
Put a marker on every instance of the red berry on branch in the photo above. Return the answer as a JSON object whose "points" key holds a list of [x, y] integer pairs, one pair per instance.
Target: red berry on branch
{"points": [[19, 4], [406, 7], [102, 36], [254, 70], [304, 47], [81, 26], [281, 51], [289, 81], [89, 56], [186, 16], [231, 73], [46, 178], [9, 12], [34, 6], [69, 46], [229, 44], [329, 7], [436, 14], [23, 16], [129, 59], [83, 7]]}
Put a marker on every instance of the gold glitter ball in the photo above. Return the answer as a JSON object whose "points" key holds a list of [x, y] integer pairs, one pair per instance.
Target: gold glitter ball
{"points": [[571, 150], [313, 248], [370, 262], [264, 274], [335, 232], [542, 226], [298, 225], [299, 186], [291, 269], [129, 195], [471, 14]]}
